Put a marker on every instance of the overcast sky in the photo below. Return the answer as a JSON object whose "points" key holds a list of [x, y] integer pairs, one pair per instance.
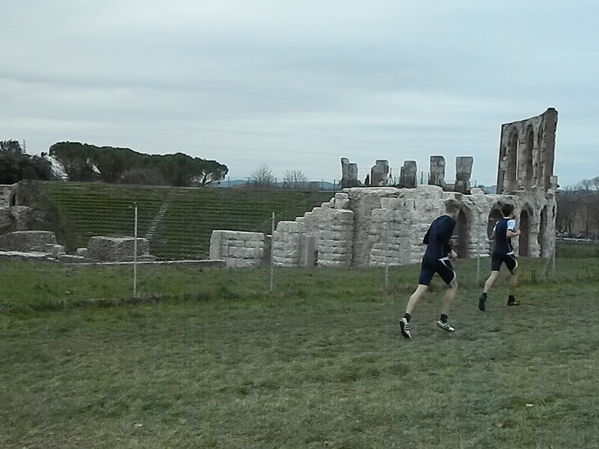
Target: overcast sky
{"points": [[300, 84]]}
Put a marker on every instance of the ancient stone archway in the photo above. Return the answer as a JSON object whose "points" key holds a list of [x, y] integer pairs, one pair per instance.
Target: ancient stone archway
{"points": [[527, 157], [524, 242], [461, 235], [494, 217]]}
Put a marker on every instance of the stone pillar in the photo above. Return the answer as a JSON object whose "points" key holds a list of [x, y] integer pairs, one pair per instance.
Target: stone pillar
{"points": [[379, 173], [408, 175], [353, 175], [437, 171], [463, 170], [349, 173], [344, 172]]}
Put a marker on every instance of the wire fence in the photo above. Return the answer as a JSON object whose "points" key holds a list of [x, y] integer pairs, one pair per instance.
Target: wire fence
{"points": [[177, 224]]}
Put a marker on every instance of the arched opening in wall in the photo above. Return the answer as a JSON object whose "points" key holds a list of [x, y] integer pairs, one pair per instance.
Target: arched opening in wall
{"points": [[512, 160], [524, 243], [527, 157], [461, 235], [543, 233], [12, 199], [494, 217]]}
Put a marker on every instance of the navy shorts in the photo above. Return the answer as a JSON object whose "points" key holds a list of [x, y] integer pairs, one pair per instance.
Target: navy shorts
{"points": [[442, 267], [500, 258]]}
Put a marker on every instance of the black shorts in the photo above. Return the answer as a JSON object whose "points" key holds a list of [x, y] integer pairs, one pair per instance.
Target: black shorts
{"points": [[497, 259], [442, 267]]}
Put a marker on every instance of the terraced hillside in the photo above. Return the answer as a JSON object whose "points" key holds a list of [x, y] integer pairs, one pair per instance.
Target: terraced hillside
{"points": [[177, 221]]}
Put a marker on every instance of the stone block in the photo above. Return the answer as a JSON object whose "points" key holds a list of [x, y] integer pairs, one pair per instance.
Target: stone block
{"points": [[291, 227], [55, 250], [26, 241], [115, 249]]}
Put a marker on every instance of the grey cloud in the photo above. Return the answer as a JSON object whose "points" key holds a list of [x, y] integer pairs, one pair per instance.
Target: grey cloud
{"points": [[290, 83]]}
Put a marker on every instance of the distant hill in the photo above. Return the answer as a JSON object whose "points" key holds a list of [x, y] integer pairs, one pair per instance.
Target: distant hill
{"points": [[310, 185]]}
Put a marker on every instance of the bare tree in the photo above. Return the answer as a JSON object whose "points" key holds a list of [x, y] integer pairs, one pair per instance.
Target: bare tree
{"points": [[262, 177], [589, 204], [590, 185], [294, 179], [568, 205]]}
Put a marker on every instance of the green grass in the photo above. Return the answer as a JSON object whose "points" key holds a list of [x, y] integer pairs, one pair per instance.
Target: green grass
{"points": [[89, 209], [577, 250], [211, 360]]}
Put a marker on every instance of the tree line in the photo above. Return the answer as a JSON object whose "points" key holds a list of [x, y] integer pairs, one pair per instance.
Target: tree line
{"points": [[16, 165], [578, 209], [86, 163]]}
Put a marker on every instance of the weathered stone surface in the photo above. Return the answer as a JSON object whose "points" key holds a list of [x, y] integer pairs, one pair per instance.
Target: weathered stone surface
{"points": [[113, 249], [379, 173], [341, 201], [378, 225], [349, 173], [527, 154], [55, 250], [408, 175], [238, 248], [463, 166], [27, 241], [437, 171]]}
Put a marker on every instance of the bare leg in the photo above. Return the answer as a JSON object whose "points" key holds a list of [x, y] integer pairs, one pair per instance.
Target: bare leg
{"points": [[452, 290], [418, 294], [513, 282], [489, 282]]}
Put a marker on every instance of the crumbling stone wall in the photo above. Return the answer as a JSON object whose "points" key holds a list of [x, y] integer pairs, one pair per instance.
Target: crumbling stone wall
{"points": [[329, 229], [386, 225], [116, 249], [238, 248], [378, 226]]}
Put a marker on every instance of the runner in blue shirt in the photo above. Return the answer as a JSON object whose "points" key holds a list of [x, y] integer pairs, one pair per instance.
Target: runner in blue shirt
{"points": [[503, 253], [436, 260]]}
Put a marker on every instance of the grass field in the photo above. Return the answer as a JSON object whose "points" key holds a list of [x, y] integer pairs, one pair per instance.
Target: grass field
{"points": [[209, 359]]}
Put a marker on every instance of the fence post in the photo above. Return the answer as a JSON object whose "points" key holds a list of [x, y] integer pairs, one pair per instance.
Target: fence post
{"points": [[272, 235], [135, 252]]}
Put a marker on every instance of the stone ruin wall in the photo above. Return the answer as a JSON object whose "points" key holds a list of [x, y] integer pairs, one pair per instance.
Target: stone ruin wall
{"points": [[527, 154], [378, 226], [323, 236], [238, 248], [375, 226]]}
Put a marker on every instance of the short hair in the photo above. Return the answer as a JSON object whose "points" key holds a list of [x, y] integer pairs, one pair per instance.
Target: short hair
{"points": [[452, 206], [507, 209]]}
